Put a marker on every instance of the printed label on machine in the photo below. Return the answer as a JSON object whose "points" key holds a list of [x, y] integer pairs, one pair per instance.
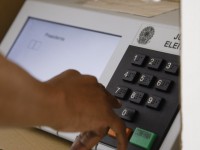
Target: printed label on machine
{"points": [[158, 38]]}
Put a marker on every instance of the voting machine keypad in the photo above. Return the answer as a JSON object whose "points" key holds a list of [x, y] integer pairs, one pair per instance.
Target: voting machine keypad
{"points": [[147, 84]]}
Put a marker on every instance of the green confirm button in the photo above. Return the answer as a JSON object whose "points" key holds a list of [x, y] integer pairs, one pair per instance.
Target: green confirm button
{"points": [[143, 138]]}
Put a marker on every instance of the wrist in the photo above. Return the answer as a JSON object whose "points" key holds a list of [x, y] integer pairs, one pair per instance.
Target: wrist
{"points": [[52, 99]]}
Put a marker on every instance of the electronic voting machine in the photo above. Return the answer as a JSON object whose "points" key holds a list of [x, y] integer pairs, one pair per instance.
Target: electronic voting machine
{"points": [[135, 58]]}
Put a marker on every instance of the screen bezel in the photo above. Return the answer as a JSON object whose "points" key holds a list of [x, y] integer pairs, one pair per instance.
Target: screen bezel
{"points": [[104, 23]]}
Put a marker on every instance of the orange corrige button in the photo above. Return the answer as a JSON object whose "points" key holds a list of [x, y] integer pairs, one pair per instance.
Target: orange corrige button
{"points": [[112, 134]]}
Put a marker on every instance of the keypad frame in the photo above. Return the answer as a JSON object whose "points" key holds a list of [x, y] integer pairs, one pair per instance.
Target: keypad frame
{"points": [[148, 118]]}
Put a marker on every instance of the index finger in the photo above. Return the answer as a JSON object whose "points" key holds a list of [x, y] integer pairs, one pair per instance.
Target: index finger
{"points": [[113, 101], [118, 126]]}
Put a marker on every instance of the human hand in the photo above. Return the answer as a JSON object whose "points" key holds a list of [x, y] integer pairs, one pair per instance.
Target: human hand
{"points": [[84, 105], [69, 102], [88, 139]]}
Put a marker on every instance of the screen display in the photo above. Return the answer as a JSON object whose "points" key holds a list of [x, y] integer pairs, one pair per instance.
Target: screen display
{"points": [[45, 49]]}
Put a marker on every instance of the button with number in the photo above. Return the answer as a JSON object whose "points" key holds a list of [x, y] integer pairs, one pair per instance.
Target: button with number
{"points": [[128, 114], [121, 92], [155, 63], [129, 75], [154, 102], [171, 68], [137, 97], [146, 80], [163, 84], [138, 59]]}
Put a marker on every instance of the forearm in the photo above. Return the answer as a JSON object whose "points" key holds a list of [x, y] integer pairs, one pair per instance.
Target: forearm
{"points": [[22, 98]]}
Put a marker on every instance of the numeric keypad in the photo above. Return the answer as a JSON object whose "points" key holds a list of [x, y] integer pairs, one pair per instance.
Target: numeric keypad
{"points": [[146, 83]]}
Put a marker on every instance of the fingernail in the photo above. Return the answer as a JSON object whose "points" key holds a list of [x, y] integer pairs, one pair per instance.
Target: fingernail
{"points": [[119, 101]]}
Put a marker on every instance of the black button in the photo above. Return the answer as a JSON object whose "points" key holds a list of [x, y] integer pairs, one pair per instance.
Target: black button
{"points": [[128, 114], [171, 68], [138, 59], [146, 80], [155, 63], [129, 76], [137, 97], [154, 102], [121, 92], [163, 84]]}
